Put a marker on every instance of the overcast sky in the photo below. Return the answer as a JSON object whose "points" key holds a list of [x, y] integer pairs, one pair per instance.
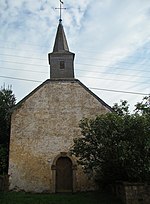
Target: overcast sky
{"points": [[111, 40]]}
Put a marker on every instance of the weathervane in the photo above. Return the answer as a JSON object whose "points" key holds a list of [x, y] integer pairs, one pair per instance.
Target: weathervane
{"points": [[60, 8]]}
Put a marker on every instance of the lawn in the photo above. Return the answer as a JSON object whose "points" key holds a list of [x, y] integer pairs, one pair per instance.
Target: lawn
{"points": [[78, 198]]}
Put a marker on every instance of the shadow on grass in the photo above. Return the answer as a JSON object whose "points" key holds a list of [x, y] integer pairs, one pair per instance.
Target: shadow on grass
{"points": [[77, 198]]}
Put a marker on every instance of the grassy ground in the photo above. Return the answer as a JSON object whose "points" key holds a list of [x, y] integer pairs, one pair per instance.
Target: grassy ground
{"points": [[78, 198]]}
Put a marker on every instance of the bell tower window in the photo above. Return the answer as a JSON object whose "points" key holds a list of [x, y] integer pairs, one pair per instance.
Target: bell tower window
{"points": [[62, 65]]}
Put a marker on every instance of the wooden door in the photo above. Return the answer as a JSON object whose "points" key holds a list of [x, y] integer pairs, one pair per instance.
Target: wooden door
{"points": [[64, 179]]}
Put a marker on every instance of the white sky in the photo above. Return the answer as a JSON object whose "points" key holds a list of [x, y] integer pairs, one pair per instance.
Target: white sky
{"points": [[111, 40]]}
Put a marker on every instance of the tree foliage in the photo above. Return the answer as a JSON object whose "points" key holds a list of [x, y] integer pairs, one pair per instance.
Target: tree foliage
{"points": [[116, 146], [7, 102], [143, 108]]}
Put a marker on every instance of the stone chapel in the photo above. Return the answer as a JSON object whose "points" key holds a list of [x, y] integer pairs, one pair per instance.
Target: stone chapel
{"points": [[44, 125]]}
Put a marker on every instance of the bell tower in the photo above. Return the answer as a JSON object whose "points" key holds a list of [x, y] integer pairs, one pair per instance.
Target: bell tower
{"points": [[61, 60]]}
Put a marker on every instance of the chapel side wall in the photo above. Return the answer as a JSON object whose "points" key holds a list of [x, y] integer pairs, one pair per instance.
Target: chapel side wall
{"points": [[44, 125]]}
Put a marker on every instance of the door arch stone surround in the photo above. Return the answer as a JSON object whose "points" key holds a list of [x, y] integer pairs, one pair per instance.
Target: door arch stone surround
{"points": [[74, 169]]}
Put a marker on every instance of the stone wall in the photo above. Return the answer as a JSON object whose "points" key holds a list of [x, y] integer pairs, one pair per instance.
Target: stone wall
{"points": [[133, 193], [43, 125]]}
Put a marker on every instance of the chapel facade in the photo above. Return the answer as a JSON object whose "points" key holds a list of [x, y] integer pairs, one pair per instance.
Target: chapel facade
{"points": [[44, 125]]}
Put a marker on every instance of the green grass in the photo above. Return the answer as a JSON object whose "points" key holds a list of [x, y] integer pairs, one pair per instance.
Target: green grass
{"points": [[78, 198]]}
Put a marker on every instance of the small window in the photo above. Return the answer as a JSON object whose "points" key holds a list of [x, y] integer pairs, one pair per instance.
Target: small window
{"points": [[62, 65]]}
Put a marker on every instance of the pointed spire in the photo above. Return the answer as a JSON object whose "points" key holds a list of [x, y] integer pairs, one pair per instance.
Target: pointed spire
{"points": [[61, 60], [60, 44]]}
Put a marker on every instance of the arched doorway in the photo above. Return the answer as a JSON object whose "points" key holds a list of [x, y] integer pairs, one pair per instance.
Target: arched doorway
{"points": [[64, 175]]}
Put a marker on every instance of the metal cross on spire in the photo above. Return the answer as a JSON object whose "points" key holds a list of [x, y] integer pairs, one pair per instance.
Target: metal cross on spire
{"points": [[60, 8]]}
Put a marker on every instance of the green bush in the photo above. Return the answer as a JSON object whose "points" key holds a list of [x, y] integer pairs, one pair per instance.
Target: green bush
{"points": [[116, 146]]}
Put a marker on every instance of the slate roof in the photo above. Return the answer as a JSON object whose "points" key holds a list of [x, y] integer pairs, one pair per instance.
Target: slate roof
{"points": [[60, 44]]}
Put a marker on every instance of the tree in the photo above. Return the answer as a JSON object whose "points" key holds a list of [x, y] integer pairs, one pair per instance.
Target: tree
{"points": [[143, 108], [7, 102], [122, 109], [116, 146]]}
